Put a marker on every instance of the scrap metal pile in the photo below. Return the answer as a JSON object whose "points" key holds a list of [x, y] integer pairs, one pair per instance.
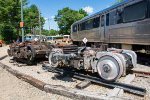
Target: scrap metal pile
{"points": [[28, 50]]}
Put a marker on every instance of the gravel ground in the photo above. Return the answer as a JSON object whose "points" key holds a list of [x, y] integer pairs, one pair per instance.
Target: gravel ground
{"points": [[12, 88], [142, 68], [37, 72], [3, 51]]}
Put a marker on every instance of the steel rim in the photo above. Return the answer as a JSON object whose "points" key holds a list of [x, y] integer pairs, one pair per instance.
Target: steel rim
{"points": [[108, 68]]}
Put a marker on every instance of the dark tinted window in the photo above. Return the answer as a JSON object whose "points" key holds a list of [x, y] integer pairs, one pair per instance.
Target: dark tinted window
{"points": [[96, 22], [59, 37], [119, 16], [102, 21], [89, 24], [82, 26], [78, 27], [74, 28], [112, 18], [107, 19], [134, 12], [49, 38], [148, 12]]}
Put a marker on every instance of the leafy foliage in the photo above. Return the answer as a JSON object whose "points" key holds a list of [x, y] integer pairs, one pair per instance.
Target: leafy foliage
{"points": [[66, 17], [52, 32], [118, 1], [10, 18], [31, 18], [9, 15]]}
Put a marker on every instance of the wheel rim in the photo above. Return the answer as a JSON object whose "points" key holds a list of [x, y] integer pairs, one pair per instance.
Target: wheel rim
{"points": [[53, 60], [108, 68], [30, 55]]}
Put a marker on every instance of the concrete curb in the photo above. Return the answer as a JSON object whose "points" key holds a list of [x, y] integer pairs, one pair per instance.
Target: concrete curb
{"points": [[58, 89], [3, 57], [74, 93]]}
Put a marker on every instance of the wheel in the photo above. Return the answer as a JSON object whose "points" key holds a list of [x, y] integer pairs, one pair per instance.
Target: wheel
{"points": [[109, 68], [8, 51], [132, 55], [53, 61], [30, 56]]}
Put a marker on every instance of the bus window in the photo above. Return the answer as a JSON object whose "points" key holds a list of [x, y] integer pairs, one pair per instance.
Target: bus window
{"points": [[107, 19], [89, 24], [74, 28], [78, 27], [119, 16], [96, 22], [59, 37], [28, 37], [82, 26], [148, 11], [112, 18], [102, 21], [134, 12], [66, 36], [49, 38]]}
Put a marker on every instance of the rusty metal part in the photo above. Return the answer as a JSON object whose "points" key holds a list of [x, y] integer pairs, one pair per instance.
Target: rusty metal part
{"points": [[141, 72], [109, 64], [1, 42], [28, 50], [70, 49]]}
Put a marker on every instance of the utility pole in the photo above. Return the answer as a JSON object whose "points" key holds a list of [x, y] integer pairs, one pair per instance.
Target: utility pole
{"points": [[40, 23], [49, 24], [22, 27]]}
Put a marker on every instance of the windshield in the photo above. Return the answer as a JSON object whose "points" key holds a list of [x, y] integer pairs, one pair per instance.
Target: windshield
{"points": [[49, 38], [58, 37], [28, 36], [66, 36]]}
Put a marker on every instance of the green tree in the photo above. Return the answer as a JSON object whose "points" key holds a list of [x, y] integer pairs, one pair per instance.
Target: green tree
{"points": [[45, 32], [118, 1], [81, 11], [10, 18], [66, 17], [51, 32], [31, 18]]}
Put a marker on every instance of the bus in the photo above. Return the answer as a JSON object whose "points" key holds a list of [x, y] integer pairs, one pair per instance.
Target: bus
{"points": [[30, 37], [55, 39], [125, 26], [66, 38]]}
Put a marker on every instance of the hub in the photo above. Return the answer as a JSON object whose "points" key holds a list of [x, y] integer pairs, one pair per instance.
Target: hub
{"points": [[106, 68]]}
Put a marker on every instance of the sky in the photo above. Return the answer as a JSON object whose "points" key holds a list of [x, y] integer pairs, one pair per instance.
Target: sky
{"points": [[49, 8]]}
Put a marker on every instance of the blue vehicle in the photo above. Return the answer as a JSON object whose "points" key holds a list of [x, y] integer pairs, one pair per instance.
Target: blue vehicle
{"points": [[30, 37]]}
